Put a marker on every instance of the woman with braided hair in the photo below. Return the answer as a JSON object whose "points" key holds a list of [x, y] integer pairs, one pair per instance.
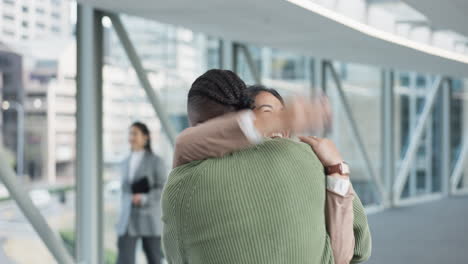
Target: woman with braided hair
{"points": [[219, 107]]}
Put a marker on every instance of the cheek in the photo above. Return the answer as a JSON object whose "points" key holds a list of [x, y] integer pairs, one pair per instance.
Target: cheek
{"points": [[141, 140]]}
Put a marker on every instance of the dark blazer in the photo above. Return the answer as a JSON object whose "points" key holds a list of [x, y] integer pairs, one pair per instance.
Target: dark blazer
{"points": [[143, 220]]}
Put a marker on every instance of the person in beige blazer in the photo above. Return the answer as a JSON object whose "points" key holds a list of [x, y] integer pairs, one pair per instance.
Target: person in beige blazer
{"points": [[270, 117]]}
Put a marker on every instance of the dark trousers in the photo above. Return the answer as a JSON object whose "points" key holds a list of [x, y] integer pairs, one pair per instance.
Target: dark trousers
{"points": [[127, 247]]}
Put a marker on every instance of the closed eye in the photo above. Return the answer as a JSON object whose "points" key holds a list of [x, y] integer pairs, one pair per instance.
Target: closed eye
{"points": [[266, 108]]}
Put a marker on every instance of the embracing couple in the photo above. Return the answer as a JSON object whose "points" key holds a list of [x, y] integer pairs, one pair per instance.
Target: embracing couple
{"points": [[242, 191]]}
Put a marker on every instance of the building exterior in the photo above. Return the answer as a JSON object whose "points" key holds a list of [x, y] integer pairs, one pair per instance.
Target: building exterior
{"points": [[42, 32], [26, 20], [12, 93], [36, 30]]}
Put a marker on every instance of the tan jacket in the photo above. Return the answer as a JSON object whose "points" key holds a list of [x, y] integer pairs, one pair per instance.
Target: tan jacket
{"points": [[223, 135]]}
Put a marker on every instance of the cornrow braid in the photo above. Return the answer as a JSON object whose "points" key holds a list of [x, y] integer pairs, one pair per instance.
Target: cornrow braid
{"points": [[223, 87], [214, 93]]}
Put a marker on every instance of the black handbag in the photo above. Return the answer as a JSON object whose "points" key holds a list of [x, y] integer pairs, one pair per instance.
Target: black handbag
{"points": [[141, 186]]}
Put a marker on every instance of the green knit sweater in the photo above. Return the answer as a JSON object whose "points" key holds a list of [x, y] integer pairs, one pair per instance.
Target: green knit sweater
{"points": [[264, 204]]}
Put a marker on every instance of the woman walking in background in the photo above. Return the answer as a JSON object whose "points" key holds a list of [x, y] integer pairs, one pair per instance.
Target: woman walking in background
{"points": [[142, 181]]}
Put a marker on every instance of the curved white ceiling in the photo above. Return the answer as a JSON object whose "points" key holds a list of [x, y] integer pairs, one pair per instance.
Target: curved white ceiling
{"points": [[309, 29], [446, 14]]}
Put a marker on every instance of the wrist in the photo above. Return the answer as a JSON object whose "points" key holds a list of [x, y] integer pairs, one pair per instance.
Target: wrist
{"points": [[332, 162], [337, 175], [341, 168]]}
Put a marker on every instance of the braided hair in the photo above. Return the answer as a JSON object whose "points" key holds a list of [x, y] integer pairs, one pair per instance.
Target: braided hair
{"points": [[215, 93]]}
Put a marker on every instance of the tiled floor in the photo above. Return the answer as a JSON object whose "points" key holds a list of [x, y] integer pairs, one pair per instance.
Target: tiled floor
{"points": [[430, 233]]}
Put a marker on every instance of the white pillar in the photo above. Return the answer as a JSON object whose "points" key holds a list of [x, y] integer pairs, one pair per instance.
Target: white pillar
{"points": [[89, 242], [388, 128]]}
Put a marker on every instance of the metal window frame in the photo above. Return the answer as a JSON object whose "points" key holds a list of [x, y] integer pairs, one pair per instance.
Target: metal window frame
{"points": [[430, 149], [403, 172], [462, 161]]}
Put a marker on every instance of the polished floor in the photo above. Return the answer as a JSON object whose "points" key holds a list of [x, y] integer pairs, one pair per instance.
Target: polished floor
{"points": [[430, 233]]}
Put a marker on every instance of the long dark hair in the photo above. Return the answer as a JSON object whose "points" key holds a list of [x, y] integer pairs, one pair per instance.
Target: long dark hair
{"points": [[144, 129]]}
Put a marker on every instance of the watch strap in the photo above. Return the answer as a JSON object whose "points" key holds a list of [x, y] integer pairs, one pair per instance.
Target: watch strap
{"points": [[341, 168]]}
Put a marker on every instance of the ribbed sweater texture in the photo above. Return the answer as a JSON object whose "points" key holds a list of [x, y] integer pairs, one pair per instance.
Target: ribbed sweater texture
{"points": [[264, 204]]}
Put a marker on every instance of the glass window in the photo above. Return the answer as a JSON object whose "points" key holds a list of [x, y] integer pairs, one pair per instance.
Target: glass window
{"points": [[420, 104], [8, 32], [40, 10], [421, 180], [361, 85], [404, 80], [421, 81], [56, 15], [404, 123], [40, 25], [55, 29], [9, 17], [459, 126]]}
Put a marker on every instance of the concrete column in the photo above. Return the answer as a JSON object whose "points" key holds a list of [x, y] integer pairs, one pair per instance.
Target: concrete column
{"points": [[388, 131], [89, 215]]}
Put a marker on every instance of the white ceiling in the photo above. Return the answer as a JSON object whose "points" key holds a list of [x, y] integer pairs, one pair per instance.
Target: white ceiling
{"points": [[281, 24], [444, 14]]}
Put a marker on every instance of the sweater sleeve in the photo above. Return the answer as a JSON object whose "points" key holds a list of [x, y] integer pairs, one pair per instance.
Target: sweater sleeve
{"points": [[362, 235]]}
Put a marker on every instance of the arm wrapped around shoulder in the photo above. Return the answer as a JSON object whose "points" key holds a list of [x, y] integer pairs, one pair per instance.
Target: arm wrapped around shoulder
{"points": [[214, 138]]}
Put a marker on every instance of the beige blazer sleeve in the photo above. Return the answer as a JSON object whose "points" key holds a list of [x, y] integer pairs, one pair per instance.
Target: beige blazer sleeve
{"points": [[340, 218], [214, 138]]}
